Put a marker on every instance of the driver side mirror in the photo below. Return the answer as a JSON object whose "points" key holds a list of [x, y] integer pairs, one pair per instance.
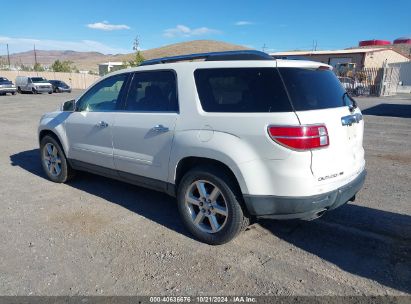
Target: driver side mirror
{"points": [[69, 106]]}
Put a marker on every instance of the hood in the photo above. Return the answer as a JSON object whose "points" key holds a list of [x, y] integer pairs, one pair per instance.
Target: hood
{"points": [[42, 83]]}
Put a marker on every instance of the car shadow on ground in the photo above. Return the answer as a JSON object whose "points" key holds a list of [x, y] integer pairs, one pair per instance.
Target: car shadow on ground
{"points": [[150, 204], [367, 242], [370, 243], [391, 110]]}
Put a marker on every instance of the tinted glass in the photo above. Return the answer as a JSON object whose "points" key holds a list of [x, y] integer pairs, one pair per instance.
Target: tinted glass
{"points": [[38, 79], [312, 89], [153, 92], [104, 95], [241, 90]]}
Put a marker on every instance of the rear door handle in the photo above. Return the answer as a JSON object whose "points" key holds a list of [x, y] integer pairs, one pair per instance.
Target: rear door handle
{"points": [[160, 128], [102, 124]]}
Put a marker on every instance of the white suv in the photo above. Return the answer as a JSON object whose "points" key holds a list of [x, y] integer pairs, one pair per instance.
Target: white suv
{"points": [[234, 137]]}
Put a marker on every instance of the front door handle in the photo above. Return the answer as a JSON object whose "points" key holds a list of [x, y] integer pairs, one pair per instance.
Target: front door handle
{"points": [[160, 128], [102, 124]]}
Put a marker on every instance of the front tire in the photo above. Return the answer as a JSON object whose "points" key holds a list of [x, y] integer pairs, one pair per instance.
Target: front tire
{"points": [[54, 161], [34, 91], [209, 205]]}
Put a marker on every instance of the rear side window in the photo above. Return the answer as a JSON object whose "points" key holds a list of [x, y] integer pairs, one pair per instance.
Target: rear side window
{"points": [[312, 89], [241, 90]]}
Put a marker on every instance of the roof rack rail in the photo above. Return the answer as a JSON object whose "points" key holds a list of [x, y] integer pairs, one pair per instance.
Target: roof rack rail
{"points": [[213, 56], [285, 57]]}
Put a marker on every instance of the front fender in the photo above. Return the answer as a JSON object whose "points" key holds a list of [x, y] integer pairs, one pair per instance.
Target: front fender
{"points": [[54, 122]]}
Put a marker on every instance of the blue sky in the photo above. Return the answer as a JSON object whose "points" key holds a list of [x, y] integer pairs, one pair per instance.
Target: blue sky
{"points": [[110, 26]]}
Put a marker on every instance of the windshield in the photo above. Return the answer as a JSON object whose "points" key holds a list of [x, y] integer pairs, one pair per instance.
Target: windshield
{"points": [[313, 89], [38, 79], [3, 79]]}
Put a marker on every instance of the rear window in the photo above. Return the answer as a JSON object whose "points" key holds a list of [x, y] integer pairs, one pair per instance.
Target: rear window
{"points": [[241, 90], [312, 89]]}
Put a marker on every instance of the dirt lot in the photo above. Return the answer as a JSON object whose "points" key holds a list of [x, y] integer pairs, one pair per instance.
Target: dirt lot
{"points": [[96, 236]]}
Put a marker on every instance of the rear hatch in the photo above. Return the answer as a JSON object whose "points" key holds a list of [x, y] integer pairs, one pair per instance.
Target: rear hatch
{"points": [[319, 98]]}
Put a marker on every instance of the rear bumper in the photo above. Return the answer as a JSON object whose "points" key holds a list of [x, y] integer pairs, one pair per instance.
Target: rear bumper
{"points": [[8, 90], [307, 207]]}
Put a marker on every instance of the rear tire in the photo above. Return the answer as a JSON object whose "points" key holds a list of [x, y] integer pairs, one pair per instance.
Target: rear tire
{"points": [[34, 91], [54, 161], [19, 90], [209, 205]]}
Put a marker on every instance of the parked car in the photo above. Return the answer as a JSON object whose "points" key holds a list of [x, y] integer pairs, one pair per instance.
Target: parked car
{"points": [[60, 86], [33, 85], [6, 86], [354, 87], [235, 137]]}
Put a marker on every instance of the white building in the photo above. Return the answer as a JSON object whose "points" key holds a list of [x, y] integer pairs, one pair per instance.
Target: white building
{"points": [[107, 67]]}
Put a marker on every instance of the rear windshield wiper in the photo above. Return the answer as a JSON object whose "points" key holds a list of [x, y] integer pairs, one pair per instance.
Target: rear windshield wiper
{"points": [[353, 105]]}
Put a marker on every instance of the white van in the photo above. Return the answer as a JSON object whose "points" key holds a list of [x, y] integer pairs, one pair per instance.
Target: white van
{"points": [[34, 85]]}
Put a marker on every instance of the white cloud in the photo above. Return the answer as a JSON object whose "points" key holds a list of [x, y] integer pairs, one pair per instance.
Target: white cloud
{"points": [[185, 31], [24, 44], [243, 22], [106, 26]]}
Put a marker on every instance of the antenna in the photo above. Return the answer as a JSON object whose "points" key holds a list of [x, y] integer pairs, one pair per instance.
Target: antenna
{"points": [[264, 47]]}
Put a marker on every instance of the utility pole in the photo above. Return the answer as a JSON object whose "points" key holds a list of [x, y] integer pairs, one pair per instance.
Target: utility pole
{"points": [[8, 55], [35, 56], [314, 48]]}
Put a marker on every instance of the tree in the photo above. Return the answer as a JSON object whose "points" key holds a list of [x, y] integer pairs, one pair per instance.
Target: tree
{"points": [[38, 67], [62, 66], [3, 63], [138, 56]]}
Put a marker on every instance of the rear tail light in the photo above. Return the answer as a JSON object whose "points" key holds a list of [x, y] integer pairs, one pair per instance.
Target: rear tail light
{"points": [[300, 137]]}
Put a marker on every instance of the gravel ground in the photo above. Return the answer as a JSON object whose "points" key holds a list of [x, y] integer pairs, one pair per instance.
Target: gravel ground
{"points": [[96, 236]]}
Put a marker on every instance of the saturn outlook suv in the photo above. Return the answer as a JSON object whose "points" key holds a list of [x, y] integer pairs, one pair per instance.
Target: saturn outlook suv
{"points": [[234, 136]]}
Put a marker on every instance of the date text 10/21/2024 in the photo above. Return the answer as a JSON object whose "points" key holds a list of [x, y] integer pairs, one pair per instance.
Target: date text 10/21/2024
{"points": [[203, 299]]}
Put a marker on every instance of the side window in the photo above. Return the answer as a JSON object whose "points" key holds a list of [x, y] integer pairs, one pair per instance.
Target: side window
{"points": [[241, 90], [104, 95], [153, 92]]}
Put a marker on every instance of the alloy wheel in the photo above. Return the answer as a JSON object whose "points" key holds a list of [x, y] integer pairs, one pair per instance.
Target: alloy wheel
{"points": [[207, 206], [51, 159]]}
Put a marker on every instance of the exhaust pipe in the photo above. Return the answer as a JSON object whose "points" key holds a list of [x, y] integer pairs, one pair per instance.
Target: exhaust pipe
{"points": [[316, 215]]}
